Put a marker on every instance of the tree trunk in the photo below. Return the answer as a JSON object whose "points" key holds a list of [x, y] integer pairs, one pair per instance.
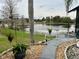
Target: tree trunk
{"points": [[30, 11]]}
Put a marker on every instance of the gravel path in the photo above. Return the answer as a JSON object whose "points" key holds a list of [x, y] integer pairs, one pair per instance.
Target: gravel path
{"points": [[50, 50]]}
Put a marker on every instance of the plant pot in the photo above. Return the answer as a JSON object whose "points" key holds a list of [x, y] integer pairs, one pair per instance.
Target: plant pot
{"points": [[19, 51], [19, 56]]}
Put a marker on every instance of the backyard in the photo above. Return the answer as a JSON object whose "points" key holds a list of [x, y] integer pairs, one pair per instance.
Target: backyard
{"points": [[32, 29], [19, 37]]}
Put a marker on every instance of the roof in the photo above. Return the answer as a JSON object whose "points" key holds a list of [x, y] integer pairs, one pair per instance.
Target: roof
{"points": [[76, 8]]}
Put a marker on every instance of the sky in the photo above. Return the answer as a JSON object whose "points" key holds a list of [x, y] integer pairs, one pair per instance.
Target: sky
{"points": [[43, 8]]}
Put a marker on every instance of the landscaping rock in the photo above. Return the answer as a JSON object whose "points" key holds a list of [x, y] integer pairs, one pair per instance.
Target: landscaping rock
{"points": [[73, 52], [61, 49]]}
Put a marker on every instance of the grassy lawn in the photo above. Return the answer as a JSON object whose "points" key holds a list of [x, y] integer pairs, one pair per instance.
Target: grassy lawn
{"points": [[19, 37]]}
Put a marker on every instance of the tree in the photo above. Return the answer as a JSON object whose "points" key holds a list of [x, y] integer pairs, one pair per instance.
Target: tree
{"points": [[66, 20], [48, 20], [30, 12], [43, 19], [9, 10], [56, 19]]}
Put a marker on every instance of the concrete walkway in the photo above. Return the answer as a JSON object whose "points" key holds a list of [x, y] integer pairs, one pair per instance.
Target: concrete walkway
{"points": [[50, 50]]}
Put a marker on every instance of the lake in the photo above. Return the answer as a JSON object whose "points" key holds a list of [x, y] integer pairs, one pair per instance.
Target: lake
{"points": [[44, 29]]}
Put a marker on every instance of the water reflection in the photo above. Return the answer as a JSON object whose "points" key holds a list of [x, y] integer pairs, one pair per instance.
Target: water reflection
{"points": [[44, 29]]}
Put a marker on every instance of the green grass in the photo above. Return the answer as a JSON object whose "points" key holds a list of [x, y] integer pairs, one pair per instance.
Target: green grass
{"points": [[19, 37]]}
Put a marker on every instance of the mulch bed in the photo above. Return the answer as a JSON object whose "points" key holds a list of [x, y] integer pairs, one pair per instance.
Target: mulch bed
{"points": [[32, 53]]}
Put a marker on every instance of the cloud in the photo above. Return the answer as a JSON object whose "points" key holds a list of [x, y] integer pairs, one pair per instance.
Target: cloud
{"points": [[43, 8], [1, 1]]}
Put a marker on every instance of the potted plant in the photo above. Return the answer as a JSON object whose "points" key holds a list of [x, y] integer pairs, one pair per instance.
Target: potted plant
{"points": [[19, 51], [49, 30]]}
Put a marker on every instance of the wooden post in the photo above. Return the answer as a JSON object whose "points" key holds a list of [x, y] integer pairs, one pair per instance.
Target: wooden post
{"points": [[31, 15]]}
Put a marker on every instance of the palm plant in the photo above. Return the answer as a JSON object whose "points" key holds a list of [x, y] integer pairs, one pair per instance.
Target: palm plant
{"points": [[68, 4]]}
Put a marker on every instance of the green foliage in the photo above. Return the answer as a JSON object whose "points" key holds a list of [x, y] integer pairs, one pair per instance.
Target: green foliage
{"points": [[19, 51], [48, 19], [19, 37], [43, 19], [19, 48], [6, 31], [66, 20], [10, 37], [55, 20]]}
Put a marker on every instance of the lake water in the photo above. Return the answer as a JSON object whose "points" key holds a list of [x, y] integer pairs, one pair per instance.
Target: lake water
{"points": [[44, 29]]}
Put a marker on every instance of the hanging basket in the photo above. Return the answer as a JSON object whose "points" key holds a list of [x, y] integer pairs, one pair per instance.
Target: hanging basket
{"points": [[10, 37], [50, 31]]}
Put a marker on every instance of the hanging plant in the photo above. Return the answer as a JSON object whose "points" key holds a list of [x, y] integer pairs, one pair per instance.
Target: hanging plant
{"points": [[49, 30], [10, 37]]}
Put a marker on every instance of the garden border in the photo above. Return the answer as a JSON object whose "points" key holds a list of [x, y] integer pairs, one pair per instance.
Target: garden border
{"points": [[6, 51]]}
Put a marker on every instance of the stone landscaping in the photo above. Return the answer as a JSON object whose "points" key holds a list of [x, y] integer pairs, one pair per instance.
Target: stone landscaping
{"points": [[32, 53], [60, 52], [73, 52]]}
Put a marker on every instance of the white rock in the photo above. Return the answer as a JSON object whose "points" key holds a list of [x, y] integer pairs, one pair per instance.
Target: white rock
{"points": [[78, 44]]}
